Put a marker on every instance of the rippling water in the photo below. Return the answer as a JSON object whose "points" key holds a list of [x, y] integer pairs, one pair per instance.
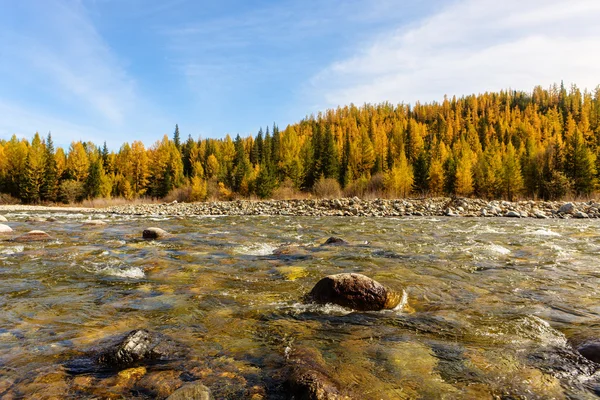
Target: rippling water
{"points": [[494, 305]]}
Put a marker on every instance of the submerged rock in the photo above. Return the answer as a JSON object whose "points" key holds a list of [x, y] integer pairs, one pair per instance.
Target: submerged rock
{"points": [[35, 219], [591, 351], [335, 241], [159, 384], [192, 391], [138, 347], [155, 233], [355, 291], [308, 378], [292, 251], [5, 229], [33, 236]]}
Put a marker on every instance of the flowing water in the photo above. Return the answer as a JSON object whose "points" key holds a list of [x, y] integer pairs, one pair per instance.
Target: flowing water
{"points": [[494, 307]]}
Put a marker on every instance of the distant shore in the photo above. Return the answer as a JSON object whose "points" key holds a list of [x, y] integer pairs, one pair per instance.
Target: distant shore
{"points": [[418, 207]]}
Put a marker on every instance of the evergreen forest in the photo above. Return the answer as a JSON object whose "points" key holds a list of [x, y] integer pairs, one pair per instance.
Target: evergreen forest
{"points": [[510, 145]]}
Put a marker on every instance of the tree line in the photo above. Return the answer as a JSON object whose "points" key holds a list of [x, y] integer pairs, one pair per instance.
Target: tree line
{"points": [[510, 144]]}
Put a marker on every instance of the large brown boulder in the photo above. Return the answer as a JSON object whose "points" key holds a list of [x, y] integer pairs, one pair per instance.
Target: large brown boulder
{"points": [[155, 233], [33, 236], [355, 291]]}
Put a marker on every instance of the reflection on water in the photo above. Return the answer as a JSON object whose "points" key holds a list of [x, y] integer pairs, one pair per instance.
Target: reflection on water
{"points": [[494, 305]]}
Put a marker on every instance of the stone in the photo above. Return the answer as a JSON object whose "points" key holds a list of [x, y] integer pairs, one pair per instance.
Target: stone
{"points": [[137, 348], [192, 391], [591, 351], [5, 229], [35, 219], [539, 214], [567, 208], [335, 241], [33, 236], [308, 378], [512, 214], [3, 218], [155, 233], [580, 214], [355, 291], [160, 384]]}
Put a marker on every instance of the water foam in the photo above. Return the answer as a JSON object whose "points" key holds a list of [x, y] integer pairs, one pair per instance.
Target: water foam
{"points": [[544, 232], [130, 272], [13, 250], [115, 269], [496, 248], [258, 249]]}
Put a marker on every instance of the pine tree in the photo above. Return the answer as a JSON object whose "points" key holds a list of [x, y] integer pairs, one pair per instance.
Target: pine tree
{"points": [[421, 174], [580, 166], [93, 182], [176, 138], [330, 160], [49, 189]]}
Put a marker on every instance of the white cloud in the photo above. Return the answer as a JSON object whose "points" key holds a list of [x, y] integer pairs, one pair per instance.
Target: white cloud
{"points": [[471, 46]]}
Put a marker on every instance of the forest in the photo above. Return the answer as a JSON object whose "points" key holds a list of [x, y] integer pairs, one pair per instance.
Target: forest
{"points": [[510, 145]]}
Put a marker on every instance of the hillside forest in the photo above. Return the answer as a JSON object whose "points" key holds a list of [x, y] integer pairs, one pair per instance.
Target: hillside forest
{"points": [[542, 144]]}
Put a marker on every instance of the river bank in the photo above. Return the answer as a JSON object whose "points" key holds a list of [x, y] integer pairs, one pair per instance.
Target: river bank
{"points": [[460, 207]]}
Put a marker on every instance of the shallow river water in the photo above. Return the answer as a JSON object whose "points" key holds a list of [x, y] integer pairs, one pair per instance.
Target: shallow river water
{"points": [[495, 306]]}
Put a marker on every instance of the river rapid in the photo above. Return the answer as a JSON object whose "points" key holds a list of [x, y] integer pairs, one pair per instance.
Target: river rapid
{"points": [[495, 307]]}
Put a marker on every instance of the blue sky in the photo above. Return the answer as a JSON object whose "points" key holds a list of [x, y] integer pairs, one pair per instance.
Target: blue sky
{"points": [[124, 70]]}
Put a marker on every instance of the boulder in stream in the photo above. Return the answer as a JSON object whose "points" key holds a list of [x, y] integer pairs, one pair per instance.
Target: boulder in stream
{"points": [[5, 229], [155, 233], [335, 241], [3, 218], [590, 350], [355, 291], [33, 236], [138, 347]]}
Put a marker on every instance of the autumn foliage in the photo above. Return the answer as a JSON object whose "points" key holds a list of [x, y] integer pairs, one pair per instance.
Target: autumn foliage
{"points": [[510, 144]]}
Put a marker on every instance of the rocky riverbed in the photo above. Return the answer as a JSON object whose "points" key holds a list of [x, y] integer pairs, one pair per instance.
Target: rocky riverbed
{"points": [[430, 207], [461, 207]]}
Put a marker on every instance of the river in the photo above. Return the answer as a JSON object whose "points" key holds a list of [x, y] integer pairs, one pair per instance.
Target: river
{"points": [[495, 306]]}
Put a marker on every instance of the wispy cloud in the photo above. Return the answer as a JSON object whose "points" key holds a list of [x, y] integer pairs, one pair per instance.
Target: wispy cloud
{"points": [[64, 75], [470, 46]]}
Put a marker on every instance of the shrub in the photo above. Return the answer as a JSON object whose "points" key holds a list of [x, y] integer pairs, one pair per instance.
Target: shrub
{"points": [[287, 191], [6, 198], [71, 191], [357, 188], [327, 188]]}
